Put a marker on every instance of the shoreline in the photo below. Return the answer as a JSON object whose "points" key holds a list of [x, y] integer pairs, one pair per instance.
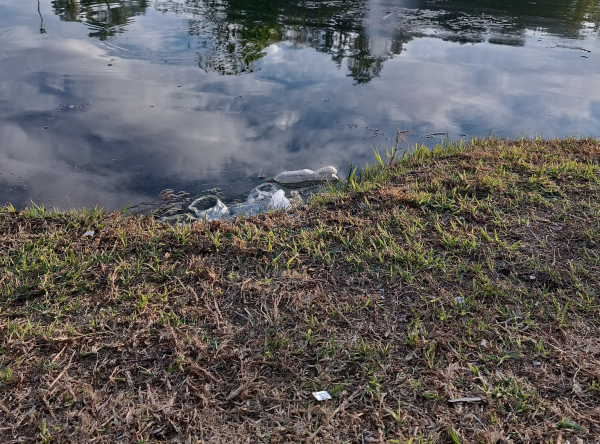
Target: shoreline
{"points": [[452, 297]]}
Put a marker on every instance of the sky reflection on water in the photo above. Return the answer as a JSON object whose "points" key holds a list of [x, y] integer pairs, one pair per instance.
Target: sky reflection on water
{"points": [[138, 96]]}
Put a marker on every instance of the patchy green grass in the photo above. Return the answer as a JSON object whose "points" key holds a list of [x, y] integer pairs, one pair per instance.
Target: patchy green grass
{"points": [[468, 271]]}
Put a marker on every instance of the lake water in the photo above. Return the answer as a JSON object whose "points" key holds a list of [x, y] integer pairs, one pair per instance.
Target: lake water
{"points": [[109, 102]]}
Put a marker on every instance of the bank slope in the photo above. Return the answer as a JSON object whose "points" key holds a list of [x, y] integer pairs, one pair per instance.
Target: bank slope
{"points": [[471, 271]]}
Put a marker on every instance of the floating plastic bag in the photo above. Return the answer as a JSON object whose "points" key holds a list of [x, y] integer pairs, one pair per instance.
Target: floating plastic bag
{"points": [[261, 199], [279, 201], [263, 191], [208, 208], [301, 177], [258, 201]]}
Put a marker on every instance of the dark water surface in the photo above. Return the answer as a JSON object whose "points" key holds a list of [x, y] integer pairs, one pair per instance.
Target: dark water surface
{"points": [[109, 102]]}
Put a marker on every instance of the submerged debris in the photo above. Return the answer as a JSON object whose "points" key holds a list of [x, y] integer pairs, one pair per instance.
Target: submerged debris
{"points": [[257, 202], [178, 219], [172, 203], [265, 197], [208, 208], [279, 201]]}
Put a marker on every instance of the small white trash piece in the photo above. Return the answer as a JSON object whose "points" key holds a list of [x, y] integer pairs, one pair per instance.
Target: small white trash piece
{"points": [[89, 233], [475, 399], [459, 300], [279, 201], [321, 396]]}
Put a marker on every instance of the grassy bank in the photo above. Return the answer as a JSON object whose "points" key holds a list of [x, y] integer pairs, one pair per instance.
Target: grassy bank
{"points": [[467, 272]]}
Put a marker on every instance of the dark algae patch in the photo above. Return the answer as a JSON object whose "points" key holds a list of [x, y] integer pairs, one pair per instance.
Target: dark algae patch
{"points": [[449, 298]]}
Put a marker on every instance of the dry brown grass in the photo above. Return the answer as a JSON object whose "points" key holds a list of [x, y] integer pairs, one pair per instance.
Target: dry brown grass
{"points": [[220, 332]]}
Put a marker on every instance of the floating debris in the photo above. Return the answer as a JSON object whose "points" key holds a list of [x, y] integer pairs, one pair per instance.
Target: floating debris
{"points": [[258, 201], [306, 176], [279, 201], [265, 197], [208, 208]]}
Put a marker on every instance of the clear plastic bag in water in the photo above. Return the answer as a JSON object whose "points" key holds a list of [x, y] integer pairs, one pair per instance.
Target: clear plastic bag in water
{"points": [[262, 192], [208, 208], [261, 199], [279, 201], [258, 201]]}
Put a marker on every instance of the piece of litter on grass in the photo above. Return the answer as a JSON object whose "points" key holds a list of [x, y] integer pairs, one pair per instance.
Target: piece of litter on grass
{"points": [[459, 300], [465, 399], [89, 233], [321, 396], [484, 343], [536, 363], [409, 356]]}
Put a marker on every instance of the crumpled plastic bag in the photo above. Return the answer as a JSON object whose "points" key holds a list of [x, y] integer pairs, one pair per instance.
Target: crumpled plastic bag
{"points": [[279, 201], [258, 201], [208, 208], [261, 199]]}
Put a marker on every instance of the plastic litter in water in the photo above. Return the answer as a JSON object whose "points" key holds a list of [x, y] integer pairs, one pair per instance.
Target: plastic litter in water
{"points": [[208, 208], [261, 199], [321, 396], [279, 201], [298, 177], [258, 201]]}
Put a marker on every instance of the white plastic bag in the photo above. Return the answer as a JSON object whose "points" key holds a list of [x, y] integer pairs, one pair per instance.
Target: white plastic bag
{"points": [[208, 208], [279, 201]]}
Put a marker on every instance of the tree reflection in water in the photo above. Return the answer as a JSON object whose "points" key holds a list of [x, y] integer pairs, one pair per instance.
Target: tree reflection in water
{"points": [[232, 35], [104, 18]]}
